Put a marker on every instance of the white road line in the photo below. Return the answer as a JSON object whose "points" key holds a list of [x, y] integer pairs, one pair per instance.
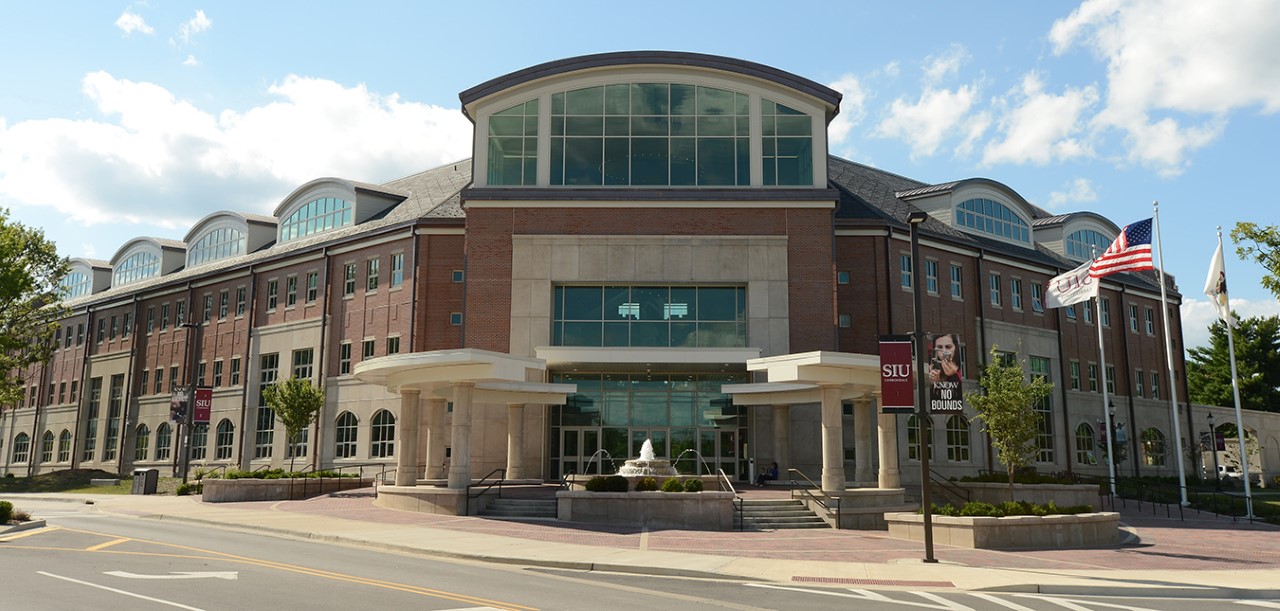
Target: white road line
{"points": [[109, 589], [999, 601], [1078, 605], [230, 575], [1259, 603], [940, 603]]}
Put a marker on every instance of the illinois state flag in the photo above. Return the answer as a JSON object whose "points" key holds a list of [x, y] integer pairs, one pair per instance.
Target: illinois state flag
{"points": [[1072, 287], [1215, 287], [1130, 252]]}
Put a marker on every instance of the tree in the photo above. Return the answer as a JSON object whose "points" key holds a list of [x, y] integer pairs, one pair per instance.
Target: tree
{"points": [[296, 404], [1005, 408], [1257, 342], [1262, 244], [30, 295]]}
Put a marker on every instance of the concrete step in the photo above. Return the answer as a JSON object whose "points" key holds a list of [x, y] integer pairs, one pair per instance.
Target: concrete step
{"points": [[790, 513], [520, 508], [777, 514]]}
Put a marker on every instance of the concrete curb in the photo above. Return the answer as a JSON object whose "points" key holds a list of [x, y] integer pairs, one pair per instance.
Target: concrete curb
{"points": [[14, 528], [1135, 591]]}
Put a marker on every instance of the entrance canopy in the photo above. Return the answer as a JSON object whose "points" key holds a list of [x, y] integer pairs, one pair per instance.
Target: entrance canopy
{"points": [[799, 378], [497, 377]]}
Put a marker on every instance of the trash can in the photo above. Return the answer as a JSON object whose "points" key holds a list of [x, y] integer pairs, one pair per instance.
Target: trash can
{"points": [[144, 481]]}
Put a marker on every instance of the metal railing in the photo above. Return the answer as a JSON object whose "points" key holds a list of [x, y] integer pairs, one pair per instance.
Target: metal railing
{"points": [[739, 506], [564, 479], [500, 472], [821, 501], [948, 487], [304, 488]]}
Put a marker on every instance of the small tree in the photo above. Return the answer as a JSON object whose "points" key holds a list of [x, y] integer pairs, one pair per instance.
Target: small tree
{"points": [[296, 404], [1005, 409]]}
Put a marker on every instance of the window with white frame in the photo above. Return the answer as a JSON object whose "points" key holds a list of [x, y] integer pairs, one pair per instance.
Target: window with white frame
{"points": [[958, 439], [346, 434], [383, 442]]}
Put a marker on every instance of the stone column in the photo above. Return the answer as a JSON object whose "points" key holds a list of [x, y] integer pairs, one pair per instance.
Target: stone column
{"points": [[515, 441], [832, 441], [781, 440], [888, 428], [407, 454], [862, 414], [460, 458], [436, 408]]}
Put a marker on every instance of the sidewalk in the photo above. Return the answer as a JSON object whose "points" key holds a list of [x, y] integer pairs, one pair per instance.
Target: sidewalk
{"points": [[1202, 556]]}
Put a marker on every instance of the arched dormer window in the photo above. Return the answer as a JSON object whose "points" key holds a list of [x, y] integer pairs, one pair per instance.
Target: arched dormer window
{"points": [[137, 266], [992, 218], [316, 216], [650, 134], [76, 284], [1080, 244], [218, 243]]}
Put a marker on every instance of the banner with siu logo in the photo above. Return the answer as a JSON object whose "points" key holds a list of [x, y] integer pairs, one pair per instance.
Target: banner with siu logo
{"points": [[897, 393]]}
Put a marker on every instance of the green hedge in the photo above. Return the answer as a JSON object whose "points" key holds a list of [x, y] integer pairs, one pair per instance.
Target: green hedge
{"points": [[6, 512], [1007, 508]]}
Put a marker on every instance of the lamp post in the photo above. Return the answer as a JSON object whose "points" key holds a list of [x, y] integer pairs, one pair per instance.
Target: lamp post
{"points": [[915, 219], [1213, 448], [188, 416]]}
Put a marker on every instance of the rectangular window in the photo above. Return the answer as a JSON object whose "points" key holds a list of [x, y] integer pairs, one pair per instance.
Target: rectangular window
{"points": [[1106, 312], [994, 283], [235, 371], [1044, 407], [102, 329], [1071, 311], [393, 345], [455, 319], [199, 441], [1111, 379], [217, 373], [647, 316], [151, 319], [115, 327], [313, 286], [1093, 377], [1037, 297], [1015, 293], [127, 327], [62, 392], [159, 380], [173, 378], [265, 429], [208, 308], [1155, 387], [1137, 383], [273, 290], [290, 291], [1133, 317], [181, 316], [75, 384], [931, 276], [349, 280], [224, 303], [397, 269], [115, 404], [79, 334], [240, 299], [371, 272], [91, 419], [368, 349], [845, 321], [956, 282], [1088, 313], [1151, 321], [200, 371], [1075, 375], [57, 339], [904, 271], [68, 339], [164, 316], [842, 277], [344, 358], [142, 383], [303, 363], [457, 276]]}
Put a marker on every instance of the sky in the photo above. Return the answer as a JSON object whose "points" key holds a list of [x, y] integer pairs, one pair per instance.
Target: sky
{"points": [[120, 120]]}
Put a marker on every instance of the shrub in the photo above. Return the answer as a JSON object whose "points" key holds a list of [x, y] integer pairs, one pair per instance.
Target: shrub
{"points": [[190, 488], [6, 512], [976, 509], [616, 483], [21, 516], [8, 476], [1009, 508], [672, 485], [646, 484], [596, 484], [693, 484]]}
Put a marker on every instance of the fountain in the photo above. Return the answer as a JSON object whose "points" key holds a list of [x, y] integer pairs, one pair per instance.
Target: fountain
{"points": [[647, 464]]}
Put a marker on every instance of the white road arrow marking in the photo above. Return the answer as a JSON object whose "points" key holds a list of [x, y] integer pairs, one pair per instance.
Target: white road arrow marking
{"points": [[232, 575], [135, 595]]}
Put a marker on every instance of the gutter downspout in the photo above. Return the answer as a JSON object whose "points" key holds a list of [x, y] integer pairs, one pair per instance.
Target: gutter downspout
{"points": [[888, 280], [130, 398], [323, 369], [982, 339], [35, 418], [77, 448], [251, 301]]}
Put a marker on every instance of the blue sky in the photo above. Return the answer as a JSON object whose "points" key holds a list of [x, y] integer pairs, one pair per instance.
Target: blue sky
{"points": [[120, 120]]}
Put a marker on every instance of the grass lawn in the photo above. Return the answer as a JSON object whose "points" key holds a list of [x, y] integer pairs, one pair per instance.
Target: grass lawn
{"points": [[77, 481]]}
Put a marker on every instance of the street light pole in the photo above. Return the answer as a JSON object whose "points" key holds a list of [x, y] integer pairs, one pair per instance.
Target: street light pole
{"points": [[188, 418], [922, 410], [1213, 448]]}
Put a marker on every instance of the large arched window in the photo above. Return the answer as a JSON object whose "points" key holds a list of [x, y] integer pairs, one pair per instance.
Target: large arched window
{"points": [[958, 438], [224, 440], [913, 438], [346, 433], [650, 134], [1153, 447], [141, 442], [384, 435], [1081, 244], [76, 284], [21, 447], [1085, 454], [992, 218], [513, 145], [316, 216], [164, 439], [46, 447], [138, 266], [64, 446], [218, 243]]}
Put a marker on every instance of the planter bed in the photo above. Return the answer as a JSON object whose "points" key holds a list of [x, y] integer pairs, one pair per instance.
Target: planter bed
{"points": [[248, 489], [1013, 532], [1062, 495]]}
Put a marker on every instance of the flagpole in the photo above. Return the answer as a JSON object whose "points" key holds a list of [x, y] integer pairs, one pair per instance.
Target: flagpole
{"points": [[1106, 411], [1235, 390], [1168, 353]]}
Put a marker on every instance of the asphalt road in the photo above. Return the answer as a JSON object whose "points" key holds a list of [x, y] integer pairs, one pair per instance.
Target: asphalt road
{"points": [[88, 560]]}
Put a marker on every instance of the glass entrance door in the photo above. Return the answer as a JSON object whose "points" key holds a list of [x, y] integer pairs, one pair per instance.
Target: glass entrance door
{"points": [[578, 446]]}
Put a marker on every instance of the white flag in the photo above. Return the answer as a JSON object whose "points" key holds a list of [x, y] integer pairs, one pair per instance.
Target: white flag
{"points": [[1072, 287], [1215, 287]]}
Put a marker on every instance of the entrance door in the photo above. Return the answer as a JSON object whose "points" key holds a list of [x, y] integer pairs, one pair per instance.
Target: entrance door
{"points": [[578, 447], [722, 449]]}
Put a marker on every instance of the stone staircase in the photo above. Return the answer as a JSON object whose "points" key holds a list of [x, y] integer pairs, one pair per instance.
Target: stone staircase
{"points": [[761, 514], [543, 509]]}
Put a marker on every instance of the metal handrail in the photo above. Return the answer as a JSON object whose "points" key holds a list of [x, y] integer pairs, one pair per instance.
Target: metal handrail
{"points": [[502, 474], [564, 479], [739, 504], [819, 501], [959, 492], [211, 470]]}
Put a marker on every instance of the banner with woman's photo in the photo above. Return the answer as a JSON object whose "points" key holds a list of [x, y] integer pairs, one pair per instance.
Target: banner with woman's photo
{"points": [[946, 392]]}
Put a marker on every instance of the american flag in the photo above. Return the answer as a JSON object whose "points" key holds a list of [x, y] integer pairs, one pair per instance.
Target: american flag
{"points": [[1130, 252]]}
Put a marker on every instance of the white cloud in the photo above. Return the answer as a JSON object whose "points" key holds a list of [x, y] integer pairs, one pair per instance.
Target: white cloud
{"points": [[132, 22], [1041, 127], [1079, 192], [194, 26], [891, 69], [159, 160], [935, 116], [88, 250], [1198, 314], [852, 109], [1175, 68], [938, 67], [191, 61]]}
